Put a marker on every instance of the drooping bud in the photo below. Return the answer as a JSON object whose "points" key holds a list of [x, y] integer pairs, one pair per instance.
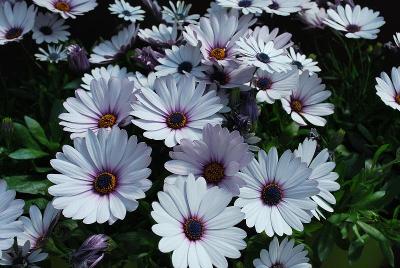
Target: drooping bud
{"points": [[78, 59], [91, 252]]}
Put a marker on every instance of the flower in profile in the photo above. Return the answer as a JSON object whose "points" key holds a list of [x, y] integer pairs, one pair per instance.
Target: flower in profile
{"points": [[302, 62], [182, 61], [162, 35], [67, 8], [396, 39], [281, 41], [49, 28], [246, 6], [107, 104], [102, 176], [277, 194], [111, 50], [314, 17], [22, 256], [263, 55], [197, 224], [276, 85], [355, 22], [78, 58], [217, 157], [38, 227], [230, 76], [249, 107], [285, 254], [127, 12], [388, 89], [10, 210], [15, 21], [321, 172], [306, 101], [284, 7], [179, 14], [112, 71], [91, 252], [148, 57], [54, 54], [176, 110], [154, 8]]}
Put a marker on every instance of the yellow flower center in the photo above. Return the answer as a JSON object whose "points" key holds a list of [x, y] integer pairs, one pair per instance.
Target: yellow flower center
{"points": [[397, 98], [296, 106], [107, 120], [218, 53], [105, 183], [62, 6], [213, 173]]}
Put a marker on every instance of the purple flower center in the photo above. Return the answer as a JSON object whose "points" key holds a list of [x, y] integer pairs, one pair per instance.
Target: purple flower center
{"points": [[264, 83], [13, 33], [214, 173], [298, 64], [277, 265], [185, 66], [220, 77], [176, 120], [46, 30], [193, 229], [352, 28], [244, 3], [263, 57], [271, 194], [105, 183]]}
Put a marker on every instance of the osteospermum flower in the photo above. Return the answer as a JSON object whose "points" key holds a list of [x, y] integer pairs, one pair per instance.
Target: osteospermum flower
{"points": [[144, 81], [161, 36], [314, 17], [78, 60], [283, 255], [321, 172], [53, 54], [257, 53], [110, 50], [106, 73], [284, 7], [107, 104], [148, 57], [229, 76], [306, 101], [102, 176], [49, 28], [246, 6], [38, 227], [217, 157], [10, 210], [302, 62], [22, 256], [181, 61], [179, 13], [15, 21], [91, 252], [127, 12], [176, 110], [281, 41], [68, 8], [396, 38], [276, 197], [274, 86], [355, 22], [197, 225], [388, 89]]}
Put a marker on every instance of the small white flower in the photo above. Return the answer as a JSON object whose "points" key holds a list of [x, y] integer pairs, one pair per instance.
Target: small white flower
{"points": [[284, 7], [127, 12], [302, 62], [396, 38], [103, 73], [246, 6], [54, 53], [355, 22], [68, 8], [162, 35], [179, 14], [389, 89], [49, 28], [314, 17]]}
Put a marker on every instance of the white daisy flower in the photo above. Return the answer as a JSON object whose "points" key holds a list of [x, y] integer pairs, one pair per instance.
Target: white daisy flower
{"points": [[127, 12], [276, 85], [15, 21], [110, 50], [54, 53], [321, 172], [107, 104], [176, 110], [10, 210], [302, 62], [389, 89], [182, 61], [197, 224], [38, 227], [230, 76], [68, 8], [102, 176], [314, 17], [355, 22], [257, 53], [246, 6], [22, 256], [305, 101], [160, 36], [144, 81], [396, 38], [276, 198], [179, 14], [217, 157], [49, 28], [283, 255], [284, 7], [101, 72], [282, 41]]}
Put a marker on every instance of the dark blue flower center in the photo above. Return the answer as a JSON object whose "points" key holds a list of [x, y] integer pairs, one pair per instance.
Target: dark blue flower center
{"points": [[105, 183], [13, 33], [46, 30], [176, 120], [271, 194], [277, 265], [352, 28], [244, 3], [180, 16], [298, 64], [185, 66], [264, 83], [193, 229], [126, 13], [263, 57], [220, 77], [214, 172], [274, 6]]}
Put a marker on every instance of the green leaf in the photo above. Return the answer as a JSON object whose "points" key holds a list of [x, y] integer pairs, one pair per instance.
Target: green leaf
{"points": [[24, 154], [372, 231], [372, 198], [25, 184], [40, 202], [74, 84], [38, 133], [379, 152], [325, 242], [387, 251], [355, 250], [24, 138]]}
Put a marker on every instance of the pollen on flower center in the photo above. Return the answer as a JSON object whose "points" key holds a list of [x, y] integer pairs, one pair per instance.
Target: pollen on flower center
{"points": [[213, 172], [13, 33], [277, 265], [397, 99], [271, 194], [264, 83], [62, 6], [46, 30], [352, 28], [298, 64], [244, 3], [263, 57], [193, 229], [107, 120], [176, 120], [296, 106], [185, 67], [105, 183], [218, 53]]}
